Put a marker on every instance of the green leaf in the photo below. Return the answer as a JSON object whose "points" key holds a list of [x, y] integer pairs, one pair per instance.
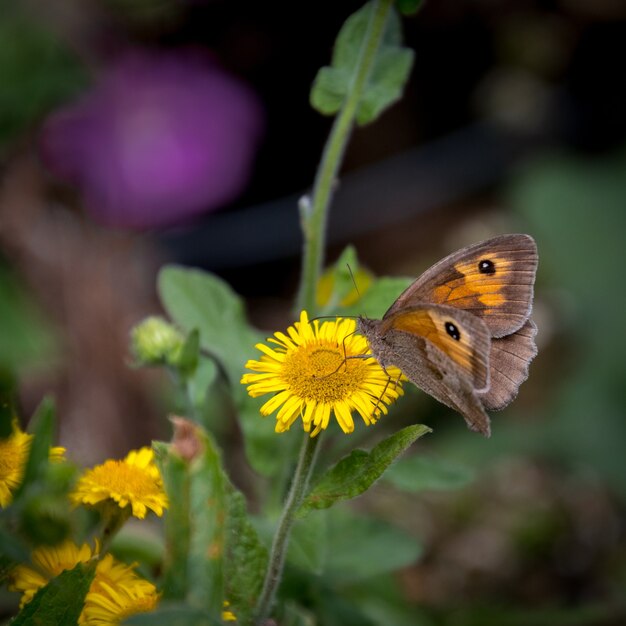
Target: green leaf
{"points": [[207, 511], [61, 601], [202, 301], [246, 559], [173, 615], [378, 298], [409, 7], [194, 525], [177, 526], [418, 473], [43, 427], [387, 78], [361, 547], [387, 81], [308, 543], [356, 472], [196, 299]]}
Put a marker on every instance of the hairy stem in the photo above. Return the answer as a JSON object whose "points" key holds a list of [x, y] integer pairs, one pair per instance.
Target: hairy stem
{"points": [[299, 487]]}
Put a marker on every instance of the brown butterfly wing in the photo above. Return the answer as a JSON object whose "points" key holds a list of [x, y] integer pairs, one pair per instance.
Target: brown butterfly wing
{"points": [[509, 360], [441, 350], [493, 280]]}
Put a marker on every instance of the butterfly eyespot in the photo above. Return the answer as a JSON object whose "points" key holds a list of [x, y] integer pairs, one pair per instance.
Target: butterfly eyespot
{"points": [[453, 331], [486, 267]]}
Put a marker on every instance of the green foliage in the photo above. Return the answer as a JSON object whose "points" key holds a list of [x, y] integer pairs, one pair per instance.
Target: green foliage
{"points": [[378, 298], [418, 473], [42, 73], [43, 429], [60, 602], [26, 338], [409, 7], [199, 300], [173, 614], [246, 559], [360, 547], [386, 80], [356, 472]]}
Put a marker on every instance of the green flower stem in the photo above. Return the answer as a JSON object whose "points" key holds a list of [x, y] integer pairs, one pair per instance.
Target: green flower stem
{"points": [[114, 518], [314, 218], [299, 487]]}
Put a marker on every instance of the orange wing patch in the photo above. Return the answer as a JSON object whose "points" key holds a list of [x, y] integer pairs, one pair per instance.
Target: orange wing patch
{"points": [[431, 325], [472, 285]]}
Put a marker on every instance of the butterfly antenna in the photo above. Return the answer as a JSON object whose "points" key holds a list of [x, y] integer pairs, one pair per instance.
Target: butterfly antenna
{"points": [[358, 293]]}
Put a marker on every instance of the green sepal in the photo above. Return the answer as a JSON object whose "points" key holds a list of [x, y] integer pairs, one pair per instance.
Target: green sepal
{"points": [[356, 472], [61, 601], [387, 78], [189, 355]]}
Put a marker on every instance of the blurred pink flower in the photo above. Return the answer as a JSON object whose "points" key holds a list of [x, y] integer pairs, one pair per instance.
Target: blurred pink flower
{"points": [[161, 137]]}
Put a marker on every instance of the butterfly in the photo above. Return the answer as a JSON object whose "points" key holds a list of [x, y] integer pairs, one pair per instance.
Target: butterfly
{"points": [[462, 331]]}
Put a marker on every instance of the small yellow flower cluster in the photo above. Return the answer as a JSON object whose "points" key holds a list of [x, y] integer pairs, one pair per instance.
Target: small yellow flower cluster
{"points": [[115, 593], [132, 487]]}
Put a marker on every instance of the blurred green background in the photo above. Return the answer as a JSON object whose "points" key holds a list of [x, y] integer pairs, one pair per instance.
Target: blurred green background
{"points": [[513, 121]]}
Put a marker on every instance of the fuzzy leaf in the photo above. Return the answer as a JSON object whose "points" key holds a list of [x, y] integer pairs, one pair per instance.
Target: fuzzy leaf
{"points": [[207, 511], [356, 472], [246, 560], [388, 75], [177, 526], [61, 601]]}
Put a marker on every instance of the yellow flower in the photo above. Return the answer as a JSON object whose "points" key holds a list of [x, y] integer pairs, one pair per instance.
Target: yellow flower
{"points": [[227, 614], [115, 593], [312, 374], [134, 482], [13, 456]]}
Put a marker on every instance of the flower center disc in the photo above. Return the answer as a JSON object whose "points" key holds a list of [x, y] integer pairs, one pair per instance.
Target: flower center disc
{"points": [[322, 373]]}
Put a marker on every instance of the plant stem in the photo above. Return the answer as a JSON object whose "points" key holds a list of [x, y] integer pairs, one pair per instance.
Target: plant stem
{"points": [[314, 221], [297, 492]]}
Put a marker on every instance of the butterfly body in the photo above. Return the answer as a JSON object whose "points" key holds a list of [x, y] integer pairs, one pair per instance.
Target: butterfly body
{"points": [[461, 331]]}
